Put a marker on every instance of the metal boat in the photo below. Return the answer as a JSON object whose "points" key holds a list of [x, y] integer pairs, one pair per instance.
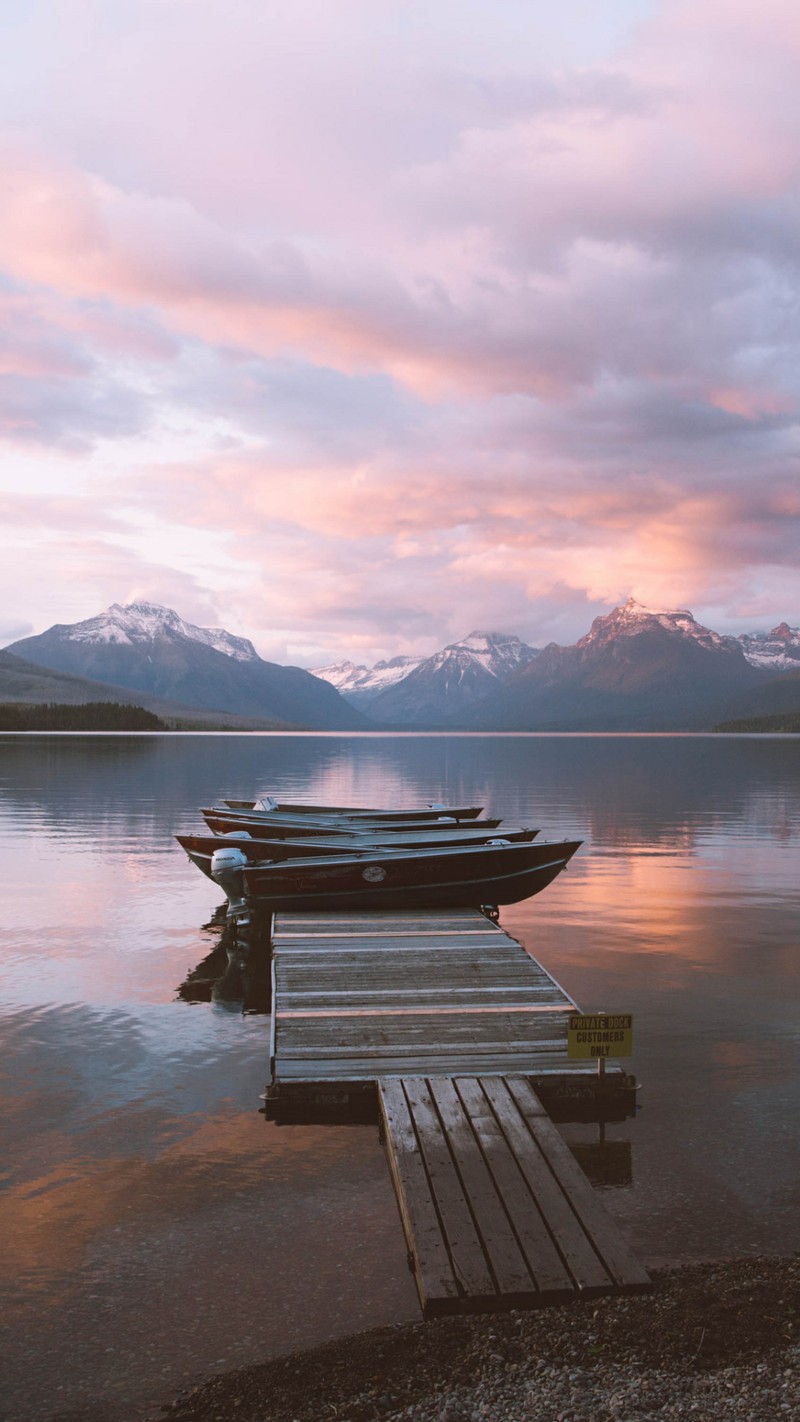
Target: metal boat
{"points": [[455, 876], [201, 847], [269, 806], [285, 826]]}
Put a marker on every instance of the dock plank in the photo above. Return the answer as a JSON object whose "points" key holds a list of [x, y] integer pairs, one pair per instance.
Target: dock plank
{"points": [[428, 1251], [507, 1222], [548, 1270], [619, 1259], [465, 1063], [498, 1241], [469, 1262], [586, 1269]]}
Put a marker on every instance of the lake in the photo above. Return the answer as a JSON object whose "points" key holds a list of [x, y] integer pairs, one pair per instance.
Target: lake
{"points": [[157, 1229]]}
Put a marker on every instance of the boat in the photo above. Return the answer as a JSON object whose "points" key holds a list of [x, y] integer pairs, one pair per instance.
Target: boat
{"points": [[267, 805], [284, 826], [454, 876], [201, 847]]}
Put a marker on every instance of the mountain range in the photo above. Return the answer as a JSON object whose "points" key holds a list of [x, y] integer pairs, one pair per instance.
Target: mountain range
{"points": [[425, 691], [149, 651], [636, 669], [361, 685]]}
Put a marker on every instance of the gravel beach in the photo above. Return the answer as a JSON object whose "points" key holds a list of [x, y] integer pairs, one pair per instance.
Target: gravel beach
{"points": [[712, 1341]]}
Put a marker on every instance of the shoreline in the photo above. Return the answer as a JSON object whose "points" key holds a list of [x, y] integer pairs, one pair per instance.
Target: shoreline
{"points": [[712, 1340]]}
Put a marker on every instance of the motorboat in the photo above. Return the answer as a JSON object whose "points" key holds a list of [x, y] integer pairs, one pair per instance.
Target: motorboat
{"points": [[452, 876], [201, 847]]}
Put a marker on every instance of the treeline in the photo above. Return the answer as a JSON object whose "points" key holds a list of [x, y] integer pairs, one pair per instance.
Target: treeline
{"points": [[89, 716], [787, 724]]}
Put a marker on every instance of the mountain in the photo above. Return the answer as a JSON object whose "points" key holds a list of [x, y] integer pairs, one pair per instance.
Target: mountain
{"points": [[636, 669], [143, 622], [360, 685], [775, 651], [23, 683], [451, 682], [150, 650], [779, 696]]}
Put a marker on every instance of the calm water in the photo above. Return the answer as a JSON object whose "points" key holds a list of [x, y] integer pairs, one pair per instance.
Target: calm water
{"points": [[157, 1229]]}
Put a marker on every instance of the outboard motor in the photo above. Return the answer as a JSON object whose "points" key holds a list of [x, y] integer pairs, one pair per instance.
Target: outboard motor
{"points": [[226, 870]]}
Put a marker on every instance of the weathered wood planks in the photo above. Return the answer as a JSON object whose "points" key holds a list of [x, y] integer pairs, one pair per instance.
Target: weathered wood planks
{"points": [[496, 1211], [360, 996]]}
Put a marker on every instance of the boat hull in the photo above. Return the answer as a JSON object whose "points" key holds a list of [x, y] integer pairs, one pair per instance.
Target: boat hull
{"points": [[356, 812], [285, 827], [420, 879], [200, 847]]}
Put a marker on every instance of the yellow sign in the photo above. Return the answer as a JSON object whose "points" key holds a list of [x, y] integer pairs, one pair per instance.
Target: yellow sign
{"points": [[599, 1035]]}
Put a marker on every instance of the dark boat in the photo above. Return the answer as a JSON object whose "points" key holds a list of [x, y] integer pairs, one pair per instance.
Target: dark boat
{"points": [[269, 806], [462, 876], [201, 847], [279, 826]]}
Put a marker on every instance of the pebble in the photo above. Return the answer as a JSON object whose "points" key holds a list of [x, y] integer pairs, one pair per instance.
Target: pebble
{"points": [[572, 1365]]}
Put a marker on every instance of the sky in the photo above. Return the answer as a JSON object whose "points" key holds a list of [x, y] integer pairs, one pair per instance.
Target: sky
{"points": [[353, 326]]}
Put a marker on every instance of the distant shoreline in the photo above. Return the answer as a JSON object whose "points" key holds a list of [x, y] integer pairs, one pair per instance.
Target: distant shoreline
{"points": [[716, 733]]}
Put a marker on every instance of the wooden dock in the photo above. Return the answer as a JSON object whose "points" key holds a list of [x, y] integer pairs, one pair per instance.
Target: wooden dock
{"points": [[451, 1021], [496, 1210], [363, 996]]}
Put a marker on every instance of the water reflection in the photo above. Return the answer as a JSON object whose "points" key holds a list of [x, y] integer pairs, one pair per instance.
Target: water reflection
{"points": [[607, 1163], [235, 973], [142, 1191]]}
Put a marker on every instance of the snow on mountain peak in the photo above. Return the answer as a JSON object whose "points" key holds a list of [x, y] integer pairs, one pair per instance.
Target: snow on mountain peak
{"points": [[633, 609], [778, 650], [473, 662], [633, 617], [364, 683], [341, 674], [141, 621], [497, 653]]}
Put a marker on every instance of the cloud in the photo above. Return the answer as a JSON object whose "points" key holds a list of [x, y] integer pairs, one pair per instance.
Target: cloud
{"points": [[422, 322]]}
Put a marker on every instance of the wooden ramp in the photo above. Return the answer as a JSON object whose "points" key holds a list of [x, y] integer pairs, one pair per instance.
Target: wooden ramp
{"points": [[497, 1213]]}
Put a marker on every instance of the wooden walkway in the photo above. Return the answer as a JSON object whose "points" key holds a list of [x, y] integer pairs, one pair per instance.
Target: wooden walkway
{"points": [[496, 1211], [449, 1017], [363, 996]]}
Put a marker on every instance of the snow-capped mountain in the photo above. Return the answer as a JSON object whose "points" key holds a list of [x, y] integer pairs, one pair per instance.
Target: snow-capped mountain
{"points": [[141, 622], [150, 649], [343, 675], [776, 651], [451, 681], [633, 618], [359, 684], [637, 668]]}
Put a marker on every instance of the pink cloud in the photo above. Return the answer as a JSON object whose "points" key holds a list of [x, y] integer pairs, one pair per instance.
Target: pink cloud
{"points": [[441, 322]]}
